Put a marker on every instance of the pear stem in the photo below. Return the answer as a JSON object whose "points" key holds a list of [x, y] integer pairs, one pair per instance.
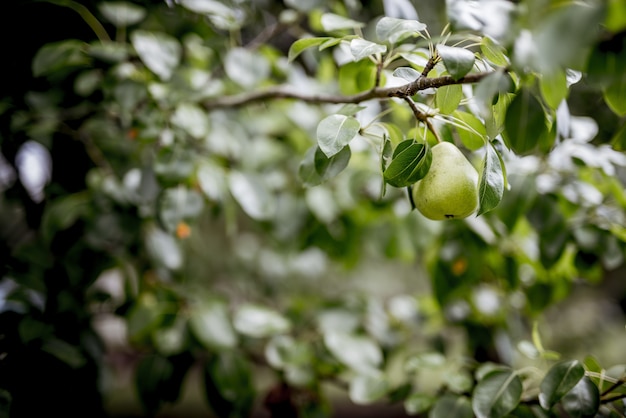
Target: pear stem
{"points": [[422, 117]]}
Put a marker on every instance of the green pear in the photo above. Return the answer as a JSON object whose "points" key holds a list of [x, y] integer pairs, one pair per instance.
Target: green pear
{"points": [[450, 188]]}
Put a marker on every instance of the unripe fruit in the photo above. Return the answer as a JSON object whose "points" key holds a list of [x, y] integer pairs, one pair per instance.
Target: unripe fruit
{"points": [[450, 188]]}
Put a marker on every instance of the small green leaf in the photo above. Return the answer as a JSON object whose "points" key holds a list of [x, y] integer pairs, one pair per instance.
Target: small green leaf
{"points": [[583, 400], [121, 13], [252, 195], [177, 204], [447, 98], [458, 61], [361, 48], [407, 73], [410, 163], [559, 380], [307, 170], [246, 67], [491, 185], [471, 130], [301, 44], [160, 52], [553, 86], [497, 394], [418, 403], [614, 95], [368, 388], [228, 384], [163, 248], [393, 30], [525, 123], [211, 325], [335, 132], [357, 76], [494, 52], [332, 22], [360, 353], [328, 168], [192, 119], [259, 322], [59, 56], [350, 109], [448, 406]]}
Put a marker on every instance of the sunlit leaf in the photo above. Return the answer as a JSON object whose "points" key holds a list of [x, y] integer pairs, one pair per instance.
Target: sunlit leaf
{"points": [[458, 61], [160, 52], [553, 87], [471, 130], [358, 352], [447, 98], [122, 13], [252, 195], [418, 403], [560, 379], [257, 321], [246, 68], [497, 394], [393, 30], [493, 51], [367, 388], [335, 132], [192, 119], [302, 44], [163, 248], [211, 325], [491, 185], [361, 48], [332, 22]]}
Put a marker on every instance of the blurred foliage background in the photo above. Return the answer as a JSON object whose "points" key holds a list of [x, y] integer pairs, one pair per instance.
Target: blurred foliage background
{"points": [[166, 252]]}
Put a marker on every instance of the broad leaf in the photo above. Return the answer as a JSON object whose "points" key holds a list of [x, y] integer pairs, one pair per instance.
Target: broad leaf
{"points": [[302, 44], [256, 321], [150, 379], [418, 403], [525, 123], [368, 388], [307, 170], [332, 22], [177, 204], [490, 88], [211, 325], [246, 68], [614, 96], [335, 132], [122, 13], [497, 394], [494, 52], [448, 406], [471, 130], [447, 98], [393, 30], [553, 86], [163, 248], [361, 48], [228, 384], [192, 119], [360, 353], [491, 185], [59, 56], [410, 163], [559, 380], [583, 400], [160, 52], [252, 195], [328, 168], [407, 73], [458, 61]]}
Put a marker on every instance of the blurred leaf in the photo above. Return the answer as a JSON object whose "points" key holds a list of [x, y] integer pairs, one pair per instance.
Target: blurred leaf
{"points": [[64, 351], [358, 352], [121, 13], [583, 400], [489, 89], [493, 51], [616, 16], [418, 403], [58, 56], [328, 168], [447, 98], [357, 76], [554, 88], [152, 371], [525, 123], [470, 129], [63, 212], [192, 119], [361, 48], [393, 30], [302, 44], [335, 132], [160, 52], [408, 73], [491, 185], [210, 324], [332, 22], [614, 95], [163, 248], [178, 204], [252, 195], [5, 403], [451, 406], [368, 388], [171, 339], [228, 384], [560, 379], [307, 170], [246, 67], [458, 61], [497, 394], [410, 163], [259, 322]]}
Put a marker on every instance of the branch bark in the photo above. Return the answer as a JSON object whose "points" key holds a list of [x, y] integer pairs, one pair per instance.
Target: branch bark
{"points": [[280, 92]]}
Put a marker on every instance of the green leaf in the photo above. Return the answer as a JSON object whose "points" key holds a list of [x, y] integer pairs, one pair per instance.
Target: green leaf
{"points": [[150, 377], [360, 353], [357, 76], [361, 48], [471, 130], [252, 195], [302, 44], [616, 16], [160, 52], [246, 68], [350, 109], [448, 406], [259, 322], [192, 119], [583, 400], [458, 61], [328, 168], [177, 204], [210, 324], [410, 163], [490, 88], [553, 86], [393, 30], [491, 185], [58, 56], [614, 95], [525, 123], [228, 384], [332, 22], [497, 394], [494, 52], [447, 98], [307, 170], [163, 248], [407, 73], [619, 140], [335, 132], [418, 403], [121, 13], [63, 212], [560, 379], [368, 388]]}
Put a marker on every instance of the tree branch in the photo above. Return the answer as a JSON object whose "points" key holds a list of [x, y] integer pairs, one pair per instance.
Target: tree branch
{"points": [[279, 92]]}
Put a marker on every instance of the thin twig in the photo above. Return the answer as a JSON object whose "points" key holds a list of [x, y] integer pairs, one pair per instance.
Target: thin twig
{"points": [[422, 117], [614, 386]]}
